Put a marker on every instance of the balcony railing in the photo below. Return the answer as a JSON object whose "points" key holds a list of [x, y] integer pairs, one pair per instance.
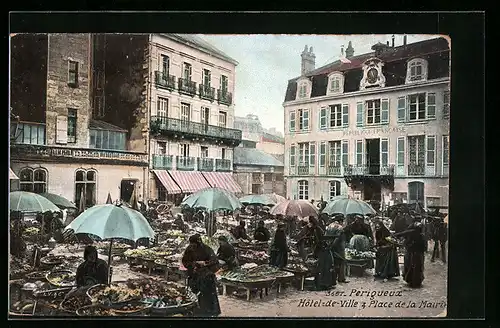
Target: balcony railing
{"points": [[222, 164], [185, 163], [334, 170], [224, 97], [369, 170], [159, 124], [187, 87], [207, 92], [257, 179], [304, 170], [164, 80], [56, 153], [163, 162], [205, 164], [416, 169]]}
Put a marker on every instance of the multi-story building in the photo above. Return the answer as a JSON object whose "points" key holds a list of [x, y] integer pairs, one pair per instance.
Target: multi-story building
{"points": [[57, 146], [375, 126]]}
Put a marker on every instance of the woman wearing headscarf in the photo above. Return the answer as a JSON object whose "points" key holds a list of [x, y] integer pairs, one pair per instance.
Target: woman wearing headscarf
{"points": [[309, 236], [325, 277], [415, 247], [202, 263], [279, 248], [93, 270], [337, 230], [227, 253], [360, 233], [387, 264], [261, 233]]}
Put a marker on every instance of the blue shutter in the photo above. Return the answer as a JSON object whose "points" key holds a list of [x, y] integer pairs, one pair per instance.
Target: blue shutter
{"points": [[401, 109], [312, 154], [322, 154], [345, 115], [359, 114], [322, 118], [345, 153], [431, 106], [385, 111]]}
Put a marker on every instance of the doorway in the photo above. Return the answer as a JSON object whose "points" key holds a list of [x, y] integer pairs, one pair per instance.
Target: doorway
{"points": [[372, 190], [373, 156], [416, 192], [127, 188]]}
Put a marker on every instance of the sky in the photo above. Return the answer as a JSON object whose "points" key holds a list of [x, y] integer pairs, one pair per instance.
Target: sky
{"points": [[267, 62]]}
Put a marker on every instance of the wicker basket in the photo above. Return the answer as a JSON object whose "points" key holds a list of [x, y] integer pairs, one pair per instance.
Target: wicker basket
{"points": [[97, 287], [80, 311], [117, 309], [53, 273]]}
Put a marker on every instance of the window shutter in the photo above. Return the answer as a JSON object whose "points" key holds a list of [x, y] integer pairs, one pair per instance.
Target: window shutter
{"points": [[431, 151], [431, 105], [294, 190], [345, 115], [306, 120], [312, 154], [62, 129], [322, 154], [401, 109], [292, 155], [292, 121], [359, 114], [322, 118], [359, 152], [446, 103], [384, 113], [384, 152], [401, 151], [345, 153], [343, 189]]}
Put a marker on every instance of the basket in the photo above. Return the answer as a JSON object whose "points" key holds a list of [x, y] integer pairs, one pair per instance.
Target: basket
{"points": [[81, 311], [51, 275], [64, 310], [52, 260], [176, 309], [91, 290], [117, 308], [37, 275]]}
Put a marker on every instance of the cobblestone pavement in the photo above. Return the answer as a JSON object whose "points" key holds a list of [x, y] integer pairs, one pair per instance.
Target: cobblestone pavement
{"points": [[428, 301]]}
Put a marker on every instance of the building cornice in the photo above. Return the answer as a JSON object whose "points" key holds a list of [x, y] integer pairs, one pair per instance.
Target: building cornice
{"points": [[369, 91]]}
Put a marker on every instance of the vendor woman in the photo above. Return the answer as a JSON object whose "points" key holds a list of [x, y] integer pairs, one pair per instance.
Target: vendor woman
{"points": [[93, 270], [227, 253], [261, 233]]}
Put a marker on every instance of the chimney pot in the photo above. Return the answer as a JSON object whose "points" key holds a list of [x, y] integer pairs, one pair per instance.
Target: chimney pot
{"points": [[342, 50], [393, 40], [404, 40], [311, 50]]}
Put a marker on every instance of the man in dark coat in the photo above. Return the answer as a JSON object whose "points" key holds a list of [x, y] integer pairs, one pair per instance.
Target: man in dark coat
{"points": [[93, 270], [440, 237], [261, 233], [240, 232], [227, 253]]}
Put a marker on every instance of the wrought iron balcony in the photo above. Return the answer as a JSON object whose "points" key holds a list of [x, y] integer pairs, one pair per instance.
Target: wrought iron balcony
{"points": [[68, 154], [383, 170], [223, 165], [304, 170], [416, 169], [207, 92], [185, 163], [173, 126], [205, 164], [163, 162], [224, 97], [187, 87], [163, 80], [334, 170]]}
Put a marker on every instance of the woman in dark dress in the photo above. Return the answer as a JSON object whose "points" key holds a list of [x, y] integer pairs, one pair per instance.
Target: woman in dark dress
{"points": [[279, 248], [387, 264], [415, 247], [261, 233], [202, 263], [93, 270], [337, 230], [309, 236], [325, 277], [227, 253]]}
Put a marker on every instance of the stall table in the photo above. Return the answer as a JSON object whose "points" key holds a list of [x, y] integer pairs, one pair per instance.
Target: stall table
{"points": [[301, 275], [360, 264], [262, 285]]}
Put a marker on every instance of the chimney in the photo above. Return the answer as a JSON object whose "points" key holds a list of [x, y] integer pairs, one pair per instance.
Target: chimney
{"points": [[349, 52], [308, 61], [342, 51], [393, 40], [404, 40]]}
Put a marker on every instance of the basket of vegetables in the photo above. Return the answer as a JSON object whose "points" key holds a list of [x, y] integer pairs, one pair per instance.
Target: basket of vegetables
{"points": [[114, 294], [95, 310], [71, 304], [167, 306], [61, 278], [132, 308], [37, 275], [22, 308]]}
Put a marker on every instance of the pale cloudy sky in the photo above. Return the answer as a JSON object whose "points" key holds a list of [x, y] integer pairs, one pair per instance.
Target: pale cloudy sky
{"points": [[267, 62]]}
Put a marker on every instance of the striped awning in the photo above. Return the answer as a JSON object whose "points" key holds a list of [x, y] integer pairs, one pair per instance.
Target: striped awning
{"points": [[167, 182], [12, 175], [223, 180], [189, 181]]}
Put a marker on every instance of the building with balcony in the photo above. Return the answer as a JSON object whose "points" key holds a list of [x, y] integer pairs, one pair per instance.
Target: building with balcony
{"points": [[59, 145], [374, 126]]}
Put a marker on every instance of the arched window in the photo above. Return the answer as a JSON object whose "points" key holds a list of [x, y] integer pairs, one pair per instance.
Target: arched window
{"points": [[33, 180], [85, 185], [304, 189], [416, 192], [334, 189], [336, 83], [417, 70]]}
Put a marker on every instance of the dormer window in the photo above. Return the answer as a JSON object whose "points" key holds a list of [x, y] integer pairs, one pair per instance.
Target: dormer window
{"points": [[304, 89], [417, 70], [336, 83]]}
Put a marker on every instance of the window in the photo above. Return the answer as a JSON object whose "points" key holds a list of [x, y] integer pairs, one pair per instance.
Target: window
{"points": [[312, 154], [416, 192], [335, 83], [322, 118], [72, 118], [359, 114], [292, 155], [417, 70], [165, 64], [224, 82], [222, 119], [205, 115], [359, 152], [162, 148], [187, 71], [303, 119], [73, 73], [185, 112], [268, 177], [335, 116], [162, 107], [446, 104], [85, 186], [184, 150], [433, 201], [303, 153], [204, 152], [345, 153], [417, 106], [400, 197], [29, 134], [373, 113], [104, 139], [322, 154], [431, 150], [223, 153], [162, 193], [446, 151], [33, 180], [303, 90], [292, 121], [303, 189], [401, 109], [384, 152], [401, 151], [416, 150], [207, 77], [334, 189], [335, 155]]}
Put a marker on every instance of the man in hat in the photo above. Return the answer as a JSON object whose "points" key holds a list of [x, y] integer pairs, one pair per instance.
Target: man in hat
{"points": [[336, 229]]}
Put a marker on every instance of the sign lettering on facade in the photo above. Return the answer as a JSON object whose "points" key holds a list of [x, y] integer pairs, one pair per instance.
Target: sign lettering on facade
{"points": [[377, 131]]}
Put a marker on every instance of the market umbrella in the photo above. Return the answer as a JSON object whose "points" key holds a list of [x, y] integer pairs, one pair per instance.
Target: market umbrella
{"points": [[300, 208], [59, 201], [257, 200], [213, 199], [348, 206], [24, 201], [111, 221], [276, 198], [109, 200]]}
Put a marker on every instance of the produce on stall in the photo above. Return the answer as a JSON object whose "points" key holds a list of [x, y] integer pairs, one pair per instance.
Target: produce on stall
{"points": [[251, 256], [75, 302], [357, 255], [116, 293], [62, 278], [255, 274], [95, 311]]}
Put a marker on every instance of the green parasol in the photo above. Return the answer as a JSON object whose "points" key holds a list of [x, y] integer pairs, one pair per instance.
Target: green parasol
{"points": [[59, 201], [347, 206], [213, 199], [257, 200], [23, 201]]}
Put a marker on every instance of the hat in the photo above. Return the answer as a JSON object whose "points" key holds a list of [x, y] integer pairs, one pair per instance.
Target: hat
{"points": [[196, 238]]}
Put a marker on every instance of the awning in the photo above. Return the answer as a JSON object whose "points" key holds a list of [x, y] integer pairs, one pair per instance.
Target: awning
{"points": [[223, 180], [167, 182], [12, 175], [189, 181]]}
